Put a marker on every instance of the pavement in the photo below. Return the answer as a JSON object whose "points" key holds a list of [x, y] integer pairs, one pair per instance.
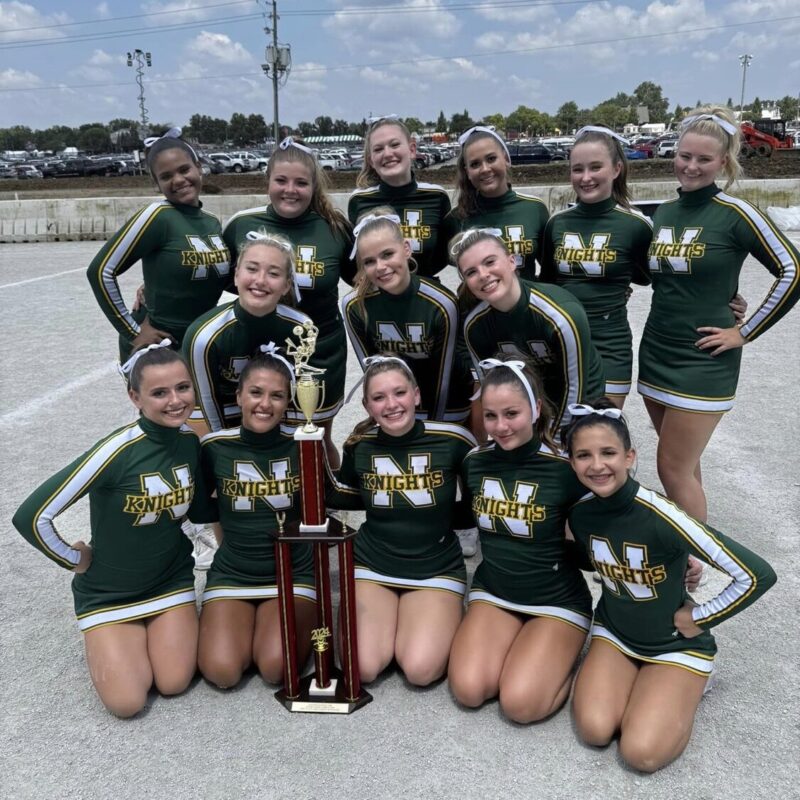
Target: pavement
{"points": [[59, 394]]}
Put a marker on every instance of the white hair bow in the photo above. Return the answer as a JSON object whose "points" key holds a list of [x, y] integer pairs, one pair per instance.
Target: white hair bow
{"points": [[378, 359], [483, 129], [375, 120], [723, 123], [125, 369], [290, 142], [517, 367], [467, 238], [172, 133], [584, 409], [368, 220], [601, 129], [271, 349]]}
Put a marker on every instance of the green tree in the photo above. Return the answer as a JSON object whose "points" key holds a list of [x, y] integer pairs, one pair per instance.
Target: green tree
{"points": [[207, 130], [678, 113], [94, 139], [729, 104], [498, 121], [523, 120], [788, 107], [414, 125], [306, 129], [610, 114], [461, 122], [55, 138], [256, 129], [340, 127], [567, 116], [755, 110], [121, 124], [650, 94], [441, 123], [237, 129], [324, 126]]}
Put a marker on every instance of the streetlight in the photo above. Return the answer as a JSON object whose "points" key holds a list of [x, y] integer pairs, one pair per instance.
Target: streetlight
{"points": [[141, 59], [744, 60], [279, 63]]}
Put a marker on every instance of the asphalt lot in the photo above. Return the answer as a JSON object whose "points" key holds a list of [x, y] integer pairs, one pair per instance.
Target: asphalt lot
{"points": [[59, 394]]}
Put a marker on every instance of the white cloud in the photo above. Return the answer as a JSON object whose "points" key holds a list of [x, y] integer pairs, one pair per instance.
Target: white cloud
{"points": [[179, 11], [100, 58], [400, 31], [307, 78], [515, 15], [103, 10], [709, 56], [446, 69], [16, 16], [220, 47], [18, 79]]}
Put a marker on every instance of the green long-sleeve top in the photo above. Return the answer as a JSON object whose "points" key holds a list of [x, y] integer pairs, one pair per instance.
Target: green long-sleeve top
{"points": [[550, 327], [595, 250], [422, 208], [700, 242], [639, 543], [141, 480], [322, 257], [520, 217], [218, 346], [185, 264]]}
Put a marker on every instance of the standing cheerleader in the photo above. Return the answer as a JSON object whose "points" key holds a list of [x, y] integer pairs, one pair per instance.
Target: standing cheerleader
{"points": [[300, 209], [410, 574], [134, 584], [387, 179], [219, 344], [651, 651], [486, 199], [599, 246], [395, 311], [529, 606], [256, 473], [544, 323], [691, 349], [185, 263]]}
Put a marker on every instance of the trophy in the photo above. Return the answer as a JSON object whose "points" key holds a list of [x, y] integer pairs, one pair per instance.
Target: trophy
{"points": [[328, 689]]}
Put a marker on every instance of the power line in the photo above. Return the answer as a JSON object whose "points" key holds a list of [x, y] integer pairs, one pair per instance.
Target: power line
{"points": [[488, 54], [362, 10]]}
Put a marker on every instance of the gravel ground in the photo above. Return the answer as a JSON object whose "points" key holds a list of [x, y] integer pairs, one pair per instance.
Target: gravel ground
{"points": [[60, 394]]}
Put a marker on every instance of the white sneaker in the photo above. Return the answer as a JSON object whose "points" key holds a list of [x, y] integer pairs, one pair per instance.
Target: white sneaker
{"points": [[204, 541], [468, 539]]}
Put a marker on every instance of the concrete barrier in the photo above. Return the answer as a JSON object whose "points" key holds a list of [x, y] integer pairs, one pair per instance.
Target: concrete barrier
{"points": [[78, 219]]}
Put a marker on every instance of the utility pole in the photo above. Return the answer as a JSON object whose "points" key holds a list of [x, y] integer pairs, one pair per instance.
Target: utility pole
{"points": [[744, 60], [141, 58], [278, 66]]}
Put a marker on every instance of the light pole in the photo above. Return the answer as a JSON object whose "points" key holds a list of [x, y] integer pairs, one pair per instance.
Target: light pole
{"points": [[744, 60], [279, 63], [141, 59]]}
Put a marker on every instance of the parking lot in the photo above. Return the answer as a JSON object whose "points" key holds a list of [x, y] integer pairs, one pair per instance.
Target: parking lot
{"points": [[60, 393]]}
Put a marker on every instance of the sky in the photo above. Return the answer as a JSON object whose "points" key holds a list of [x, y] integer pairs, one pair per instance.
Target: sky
{"points": [[64, 63]]}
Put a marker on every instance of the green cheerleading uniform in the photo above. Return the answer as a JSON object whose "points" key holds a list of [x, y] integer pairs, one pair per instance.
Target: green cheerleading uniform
{"points": [[520, 499], [520, 217], [256, 476], [595, 250], [420, 325], [141, 480], [699, 245], [185, 264], [639, 543], [407, 484], [549, 326], [322, 257], [218, 346], [422, 208]]}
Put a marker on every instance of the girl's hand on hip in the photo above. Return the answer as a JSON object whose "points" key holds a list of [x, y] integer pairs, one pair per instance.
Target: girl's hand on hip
{"points": [[718, 340]]}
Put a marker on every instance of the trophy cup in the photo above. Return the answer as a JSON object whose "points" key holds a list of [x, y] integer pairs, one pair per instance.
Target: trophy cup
{"points": [[329, 690]]}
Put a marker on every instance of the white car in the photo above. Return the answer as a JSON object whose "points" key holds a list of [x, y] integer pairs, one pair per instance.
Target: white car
{"points": [[250, 160], [666, 148], [227, 161]]}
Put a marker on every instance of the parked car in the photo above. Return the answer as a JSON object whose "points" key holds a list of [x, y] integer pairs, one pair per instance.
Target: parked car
{"points": [[666, 149], [529, 154], [26, 171], [632, 154], [228, 162], [248, 159], [81, 167], [647, 146]]}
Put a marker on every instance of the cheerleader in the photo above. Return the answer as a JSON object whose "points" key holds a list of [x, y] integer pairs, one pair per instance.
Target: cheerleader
{"points": [[541, 322], [387, 179], [219, 344], [691, 347], [300, 209], [599, 246], [410, 574], [651, 652], [394, 310], [529, 606], [134, 583], [255, 471], [185, 263], [485, 199]]}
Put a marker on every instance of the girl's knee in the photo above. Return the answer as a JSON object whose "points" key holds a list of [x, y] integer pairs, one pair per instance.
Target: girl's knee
{"points": [[641, 754], [419, 669], [125, 704], [270, 667], [468, 686], [224, 672], [524, 704], [174, 681], [594, 727]]}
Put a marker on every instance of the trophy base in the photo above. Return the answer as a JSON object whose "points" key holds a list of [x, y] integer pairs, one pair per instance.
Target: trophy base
{"points": [[309, 703]]}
